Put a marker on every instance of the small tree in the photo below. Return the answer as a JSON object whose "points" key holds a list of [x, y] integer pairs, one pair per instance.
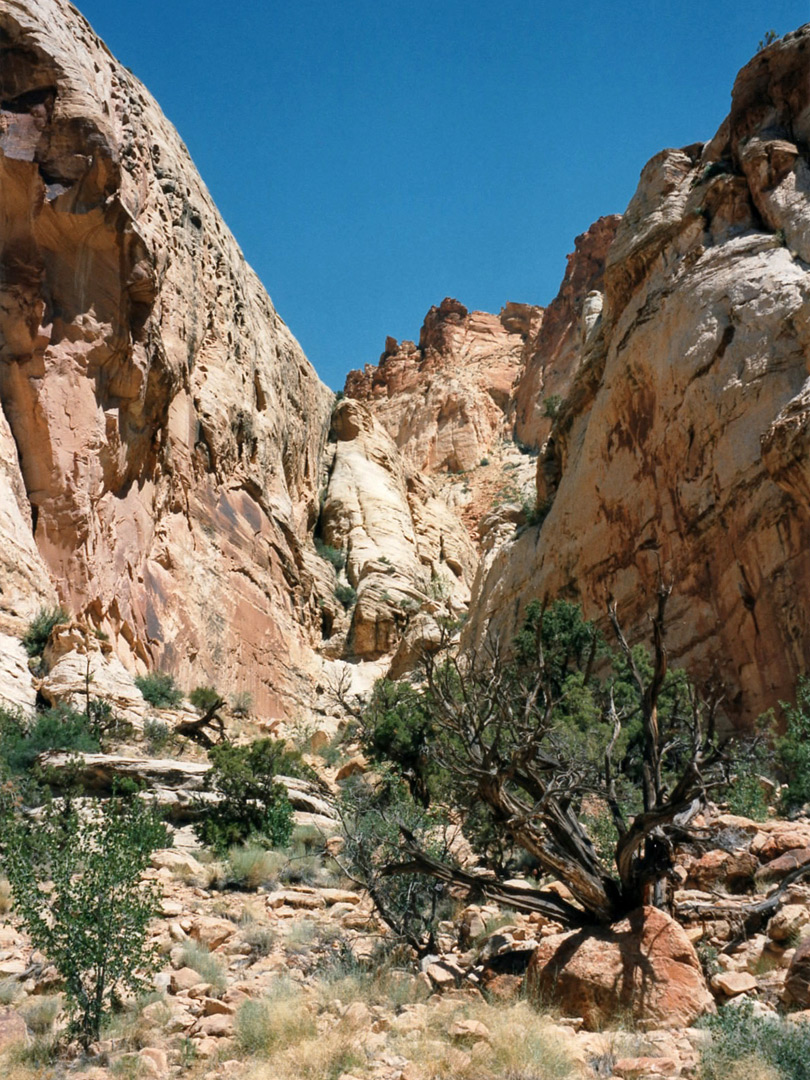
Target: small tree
{"points": [[251, 801], [76, 884], [536, 740]]}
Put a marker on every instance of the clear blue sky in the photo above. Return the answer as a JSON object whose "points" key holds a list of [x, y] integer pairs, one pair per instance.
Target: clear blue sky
{"points": [[374, 157]]}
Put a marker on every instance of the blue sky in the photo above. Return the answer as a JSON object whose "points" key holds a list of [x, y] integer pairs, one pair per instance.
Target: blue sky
{"points": [[374, 157]]}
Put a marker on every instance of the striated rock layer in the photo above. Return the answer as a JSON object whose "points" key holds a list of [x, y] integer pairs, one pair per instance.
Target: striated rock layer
{"points": [[163, 429], [683, 442]]}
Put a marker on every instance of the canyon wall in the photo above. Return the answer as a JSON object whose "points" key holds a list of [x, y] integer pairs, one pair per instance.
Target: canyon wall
{"points": [[681, 446], [162, 428]]}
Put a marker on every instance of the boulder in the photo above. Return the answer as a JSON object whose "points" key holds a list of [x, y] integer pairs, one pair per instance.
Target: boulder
{"points": [[797, 982], [643, 967]]}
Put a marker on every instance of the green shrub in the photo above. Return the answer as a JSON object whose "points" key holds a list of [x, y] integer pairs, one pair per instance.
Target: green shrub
{"points": [[552, 406], [252, 803], [740, 1037], [24, 738], [158, 735], [204, 697], [346, 594], [793, 749], [39, 629], [332, 555], [159, 689], [77, 889]]}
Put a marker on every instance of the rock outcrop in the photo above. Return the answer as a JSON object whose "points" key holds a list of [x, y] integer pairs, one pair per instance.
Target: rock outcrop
{"points": [[446, 400], [682, 444], [643, 966], [162, 428], [404, 549]]}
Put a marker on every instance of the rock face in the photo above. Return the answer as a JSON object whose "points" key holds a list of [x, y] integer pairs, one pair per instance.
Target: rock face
{"points": [[683, 440], [445, 400], [162, 428], [643, 967], [403, 547]]}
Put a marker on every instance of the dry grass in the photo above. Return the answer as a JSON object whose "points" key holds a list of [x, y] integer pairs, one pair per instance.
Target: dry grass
{"points": [[199, 957], [522, 1044], [752, 1067]]}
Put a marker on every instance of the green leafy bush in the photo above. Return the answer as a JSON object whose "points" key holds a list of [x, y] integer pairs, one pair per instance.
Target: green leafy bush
{"points": [[552, 406], [39, 629], [157, 734], [76, 881], [252, 802], [739, 1037], [346, 594], [793, 749], [204, 697], [159, 689], [23, 738], [332, 555]]}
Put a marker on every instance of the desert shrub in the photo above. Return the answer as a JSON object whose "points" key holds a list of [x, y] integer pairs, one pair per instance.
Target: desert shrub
{"points": [[39, 629], [159, 689], [77, 889], [200, 959], [204, 697], [793, 748], [330, 554], [251, 866], [346, 594], [241, 703], [740, 1040], [271, 1024], [373, 819], [252, 803], [23, 738], [552, 406], [259, 937], [157, 734]]}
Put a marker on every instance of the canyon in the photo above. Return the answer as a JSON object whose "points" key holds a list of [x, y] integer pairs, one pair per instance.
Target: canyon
{"points": [[176, 475]]}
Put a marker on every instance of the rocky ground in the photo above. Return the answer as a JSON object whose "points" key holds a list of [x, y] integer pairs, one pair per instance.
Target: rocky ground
{"points": [[274, 964]]}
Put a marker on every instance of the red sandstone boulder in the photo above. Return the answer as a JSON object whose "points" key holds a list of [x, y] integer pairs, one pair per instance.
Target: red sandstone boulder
{"points": [[797, 983], [643, 968]]}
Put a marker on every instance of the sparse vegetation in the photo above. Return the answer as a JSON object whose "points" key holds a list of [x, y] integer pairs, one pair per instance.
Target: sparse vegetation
{"points": [[200, 959], [346, 594], [157, 735], [159, 689], [39, 629], [552, 406], [241, 703], [330, 554], [745, 1046], [793, 748]]}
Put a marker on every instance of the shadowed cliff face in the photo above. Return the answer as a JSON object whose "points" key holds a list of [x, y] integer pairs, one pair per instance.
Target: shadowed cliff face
{"points": [[168, 428], [683, 440]]}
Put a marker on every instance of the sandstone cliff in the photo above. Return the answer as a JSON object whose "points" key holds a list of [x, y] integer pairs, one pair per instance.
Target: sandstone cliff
{"points": [[683, 441], [162, 428]]}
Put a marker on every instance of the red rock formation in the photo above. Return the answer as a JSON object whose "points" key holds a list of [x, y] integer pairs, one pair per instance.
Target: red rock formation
{"points": [[445, 400], [683, 442], [643, 967], [167, 427]]}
